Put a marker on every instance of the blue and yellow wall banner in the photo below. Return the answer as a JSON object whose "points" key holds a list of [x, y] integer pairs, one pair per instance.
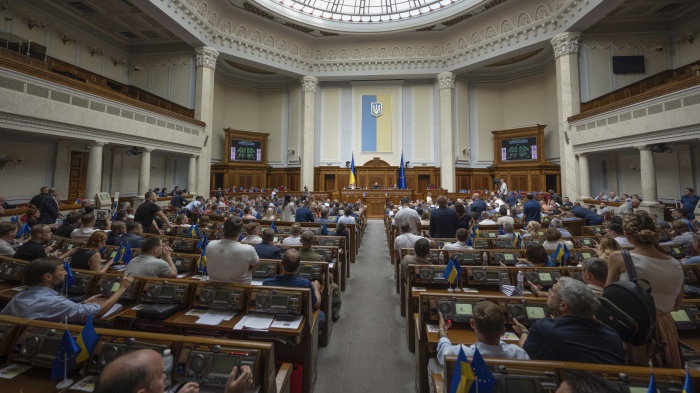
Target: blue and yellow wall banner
{"points": [[376, 123]]}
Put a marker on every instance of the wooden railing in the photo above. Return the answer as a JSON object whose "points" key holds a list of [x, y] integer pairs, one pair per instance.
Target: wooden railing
{"points": [[65, 74], [657, 85]]}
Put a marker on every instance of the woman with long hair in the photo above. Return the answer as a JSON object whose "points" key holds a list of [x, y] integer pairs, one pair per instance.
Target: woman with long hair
{"points": [[607, 246], [289, 209], [88, 257], [665, 276]]}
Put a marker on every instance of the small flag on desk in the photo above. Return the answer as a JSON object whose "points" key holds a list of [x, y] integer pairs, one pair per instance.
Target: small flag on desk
{"points": [[24, 230], [120, 254], [450, 273], [14, 218], [203, 261], [78, 201], [688, 385], [193, 231], [65, 358], [501, 231], [128, 254], [323, 230], [484, 378], [463, 376], [652, 384], [516, 240], [69, 275], [273, 226], [87, 341], [458, 268]]}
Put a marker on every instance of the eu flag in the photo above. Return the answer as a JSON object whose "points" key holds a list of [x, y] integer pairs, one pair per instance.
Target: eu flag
{"points": [[69, 275], [273, 226], [128, 254], [516, 240], [65, 358], [24, 230], [323, 230], [652, 384], [120, 254], [402, 175], [463, 376], [688, 385], [87, 341], [484, 377]]}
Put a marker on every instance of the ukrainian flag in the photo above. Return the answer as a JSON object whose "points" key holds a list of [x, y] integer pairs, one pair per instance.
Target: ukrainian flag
{"points": [[463, 376], [87, 341], [352, 171], [688, 385], [376, 123], [450, 273]]}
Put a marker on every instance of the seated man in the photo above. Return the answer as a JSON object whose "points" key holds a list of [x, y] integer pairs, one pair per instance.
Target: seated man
{"points": [[485, 220], [149, 263], [462, 236], [142, 372], [557, 224], [117, 229], [132, 237], [488, 324], [509, 230], [573, 336], [306, 253], [504, 217], [293, 239], [8, 231], [248, 214], [41, 301], [69, 225], [594, 272], [422, 250], [227, 259], [616, 232], [628, 207], [86, 229], [289, 266], [265, 249], [601, 197], [35, 247], [405, 240], [253, 233]]}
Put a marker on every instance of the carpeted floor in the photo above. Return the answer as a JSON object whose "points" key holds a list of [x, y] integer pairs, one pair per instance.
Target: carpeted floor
{"points": [[368, 350]]}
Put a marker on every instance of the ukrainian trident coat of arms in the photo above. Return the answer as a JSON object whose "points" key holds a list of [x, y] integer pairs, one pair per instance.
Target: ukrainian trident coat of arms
{"points": [[376, 109]]}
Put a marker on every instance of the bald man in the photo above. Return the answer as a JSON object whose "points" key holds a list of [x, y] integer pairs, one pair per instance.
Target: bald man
{"points": [[142, 372]]}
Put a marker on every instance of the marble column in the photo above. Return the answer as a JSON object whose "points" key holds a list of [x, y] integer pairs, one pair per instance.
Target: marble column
{"points": [[192, 174], [566, 46], [584, 177], [204, 111], [168, 182], [61, 171], [308, 149], [93, 181], [446, 83], [145, 171], [647, 171], [117, 164], [685, 165]]}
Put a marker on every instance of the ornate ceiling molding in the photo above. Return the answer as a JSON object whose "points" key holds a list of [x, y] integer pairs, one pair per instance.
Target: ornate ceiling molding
{"points": [[534, 22]]}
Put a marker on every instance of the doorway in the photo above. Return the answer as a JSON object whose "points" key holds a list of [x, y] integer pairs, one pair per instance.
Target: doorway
{"points": [[78, 175]]}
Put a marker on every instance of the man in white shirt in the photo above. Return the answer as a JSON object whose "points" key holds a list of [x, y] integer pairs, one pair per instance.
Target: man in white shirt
{"points": [[616, 232], [509, 230], [503, 211], [227, 259], [408, 215], [405, 240], [293, 239], [461, 243], [504, 187], [8, 231], [252, 233], [488, 324], [485, 220], [83, 233]]}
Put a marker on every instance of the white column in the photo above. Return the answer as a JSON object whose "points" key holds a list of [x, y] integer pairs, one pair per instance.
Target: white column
{"points": [[307, 151], [647, 171], [94, 170], [144, 171], [584, 177], [446, 83], [168, 182], [566, 46], [192, 174], [204, 111]]}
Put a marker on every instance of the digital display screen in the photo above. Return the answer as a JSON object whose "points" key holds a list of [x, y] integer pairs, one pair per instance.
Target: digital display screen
{"points": [[521, 385], [167, 291], [534, 312], [677, 250], [463, 309], [69, 246], [587, 242], [306, 269], [221, 296], [491, 234], [113, 254], [519, 149], [50, 347], [508, 257], [279, 301], [545, 277], [585, 255], [680, 316], [640, 389], [246, 151], [492, 276], [115, 286], [223, 364], [438, 275]]}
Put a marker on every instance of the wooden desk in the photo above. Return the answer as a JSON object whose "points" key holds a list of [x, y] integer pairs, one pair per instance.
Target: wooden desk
{"points": [[376, 206], [35, 380]]}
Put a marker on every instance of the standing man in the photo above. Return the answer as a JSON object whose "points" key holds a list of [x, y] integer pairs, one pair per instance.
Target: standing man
{"points": [[409, 216], [49, 207], [227, 259], [147, 212], [443, 221], [178, 201], [36, 199], [532, 210], [304, 214], [689, 201], [478, 205], [504, 187]]}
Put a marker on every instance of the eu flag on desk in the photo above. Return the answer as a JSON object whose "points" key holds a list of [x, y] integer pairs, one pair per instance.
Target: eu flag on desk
{"points": [[69, 275], [450, 273], [323, 230], [128, 254], [65, 358], [120, 254], [273, 226], [652, 384], [500, 230], [516, 240], [14, 218], [87, 341], [688, 385], [463, 376], [484, 378], [24, 230], [402, 175]]}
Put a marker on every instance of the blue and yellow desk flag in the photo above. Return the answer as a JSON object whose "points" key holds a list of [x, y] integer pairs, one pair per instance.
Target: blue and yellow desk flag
{"points": [[352, 170], [87, 341], [463, 376], [65, 358], [450, 273], [688, 385]]}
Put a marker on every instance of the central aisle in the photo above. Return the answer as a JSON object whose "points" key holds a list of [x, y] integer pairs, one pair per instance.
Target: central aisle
{"points": [[368, 350]]}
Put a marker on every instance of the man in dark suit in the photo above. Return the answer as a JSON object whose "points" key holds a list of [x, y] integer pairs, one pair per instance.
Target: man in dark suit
{"points": [[36, 199], [304, 214], [443, 221], [478, 205], [265, 249], [49, 207]]}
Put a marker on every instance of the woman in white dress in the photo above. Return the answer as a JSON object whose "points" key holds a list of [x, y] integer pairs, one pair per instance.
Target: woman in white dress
{"points": [[289, 209]]}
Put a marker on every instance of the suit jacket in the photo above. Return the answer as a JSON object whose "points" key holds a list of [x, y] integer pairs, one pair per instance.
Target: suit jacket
{"points": [[443, 223], [49, 210]]}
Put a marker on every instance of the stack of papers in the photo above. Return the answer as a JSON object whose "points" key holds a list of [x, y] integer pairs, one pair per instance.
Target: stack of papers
{"points": [[510, 290], [13, 370], [263, 322], [112, 310], [210, 317]]}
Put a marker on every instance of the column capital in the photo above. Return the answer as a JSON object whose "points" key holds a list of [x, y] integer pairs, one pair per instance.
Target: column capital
{"points": [[644, 147], [147, 149], [98, 143], [195, 156], [206, 57], [582, 154], [446, 80], [308, 84], [566, 44]]}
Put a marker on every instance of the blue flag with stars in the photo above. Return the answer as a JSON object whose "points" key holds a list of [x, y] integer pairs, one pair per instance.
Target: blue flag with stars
{"points": [[24, 230], [65, 358], [484, 377], [323, 230], [69, 275], [273, 226]]}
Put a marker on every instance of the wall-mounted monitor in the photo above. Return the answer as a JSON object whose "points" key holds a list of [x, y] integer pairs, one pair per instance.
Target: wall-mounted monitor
{"points": [[519, 149], [242, 150], [628, 64]]}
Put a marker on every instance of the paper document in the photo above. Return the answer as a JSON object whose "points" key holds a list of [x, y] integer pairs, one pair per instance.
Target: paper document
{"points": [[418, 289], [510, 336], [183, 275], [213, 318], [432, 328], [287, 324], [112, 310], [256, 282], [13, 370], [86, 384], [510, 290], [258, 321]]}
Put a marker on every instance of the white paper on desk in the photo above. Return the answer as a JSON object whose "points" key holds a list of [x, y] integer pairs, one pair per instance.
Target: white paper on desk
{"points": [[112, 310], [432, 328], [13, 370], [196, 312], [331, 265], [241, 323], [138, 307], [258, 321], [510, 290], [256, 282], [292, 325], [183, 275], [86, 384], [212, 317], [20, 288], [510, 336]]}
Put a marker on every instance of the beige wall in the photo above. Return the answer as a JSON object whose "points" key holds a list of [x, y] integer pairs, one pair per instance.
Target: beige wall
{"points": [[462, 118], [330, 124], [21, 182], [422, 114]]}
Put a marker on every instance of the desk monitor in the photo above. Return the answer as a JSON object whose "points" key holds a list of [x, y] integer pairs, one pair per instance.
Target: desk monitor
{"points": [[463, 310], [103, 200], [640, 389], [481, 244], [545, 278], [535, 312], [221, 365], [680, 316], [676, 252], [521, 385]]}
